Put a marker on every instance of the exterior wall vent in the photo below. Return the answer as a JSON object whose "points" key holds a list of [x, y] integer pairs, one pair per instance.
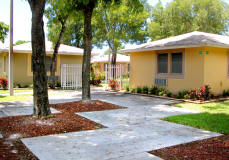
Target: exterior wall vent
{"points": [[160, 81]]}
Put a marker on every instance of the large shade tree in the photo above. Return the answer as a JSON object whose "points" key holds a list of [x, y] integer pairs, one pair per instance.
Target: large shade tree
{"points": [[57, 14], [73, 34], [121, 23], [182, 16], [40, 89], [4, 28], [87, 7]]}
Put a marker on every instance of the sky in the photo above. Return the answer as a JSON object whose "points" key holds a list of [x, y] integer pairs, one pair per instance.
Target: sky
{"points": [[22, 19]]}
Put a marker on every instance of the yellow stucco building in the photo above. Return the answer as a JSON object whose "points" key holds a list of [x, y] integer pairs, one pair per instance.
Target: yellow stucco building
{"points": [[101, 61], [182, 62], [22, 61]]}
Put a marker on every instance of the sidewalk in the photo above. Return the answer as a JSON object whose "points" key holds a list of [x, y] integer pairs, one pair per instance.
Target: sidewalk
{"points": [[130, 134]]}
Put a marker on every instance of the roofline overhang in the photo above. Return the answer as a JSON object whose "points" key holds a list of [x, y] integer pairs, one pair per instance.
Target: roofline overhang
{"points": [[109, 61], [47, 52], [172, 47]]}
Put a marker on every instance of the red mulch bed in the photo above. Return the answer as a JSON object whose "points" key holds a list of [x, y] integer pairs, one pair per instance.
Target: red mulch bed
{"points": [[216, 148], [73, 107], [14, 150], [29, 126], [17, 127]]}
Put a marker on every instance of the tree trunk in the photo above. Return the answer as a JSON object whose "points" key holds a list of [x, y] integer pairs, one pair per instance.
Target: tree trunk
{"points": [[40, 89], [87, 37], [113, 61], [114, 56], [55, 53]]}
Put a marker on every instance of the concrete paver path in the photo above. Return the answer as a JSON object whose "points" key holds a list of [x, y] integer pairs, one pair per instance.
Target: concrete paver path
{"points": [[130, 132]]}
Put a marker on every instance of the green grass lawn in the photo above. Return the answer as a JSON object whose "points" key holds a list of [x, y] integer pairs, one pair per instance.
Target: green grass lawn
{"points": [[212, 107], [215, 117], [51, 92], [16, 91], [23, 97]]}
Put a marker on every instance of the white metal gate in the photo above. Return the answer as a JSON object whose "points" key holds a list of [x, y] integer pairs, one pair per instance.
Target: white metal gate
{"points": [[119, 73], [71, 76]]}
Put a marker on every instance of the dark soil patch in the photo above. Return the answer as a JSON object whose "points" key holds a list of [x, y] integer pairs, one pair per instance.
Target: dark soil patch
{"points": [[77, 106], [216, 148], [17, 127]]}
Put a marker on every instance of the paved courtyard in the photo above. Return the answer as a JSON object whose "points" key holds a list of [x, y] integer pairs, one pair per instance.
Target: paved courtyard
{"points": [[130, 132]]}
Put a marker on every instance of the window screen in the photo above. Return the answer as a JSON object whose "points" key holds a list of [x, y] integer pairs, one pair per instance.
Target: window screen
{"points": [[163, 63], [176, 62]]}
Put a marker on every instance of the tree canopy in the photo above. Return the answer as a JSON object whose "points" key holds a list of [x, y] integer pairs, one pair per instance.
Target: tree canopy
{"points": [[73, 34], [87, 7], [120, 23], [57, 14], [20, 42], [182, 16], [4, 28]]}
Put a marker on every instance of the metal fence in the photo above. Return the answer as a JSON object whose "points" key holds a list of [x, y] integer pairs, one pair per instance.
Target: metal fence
{"points": [[71, 76], [119, 73]]}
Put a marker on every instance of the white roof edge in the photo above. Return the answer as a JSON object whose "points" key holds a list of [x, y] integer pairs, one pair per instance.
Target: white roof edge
{"points": [[192, 39], [47, 52], [63, 49], [105, 58], [108, 61], [171, 47]]}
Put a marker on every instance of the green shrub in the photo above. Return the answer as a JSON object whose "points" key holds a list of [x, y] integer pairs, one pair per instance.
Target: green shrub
{"points": [[133, 90], [145, 89], [169, 94], [102, 76], [193, 94], [3, 83], [139, 90], [17, 85], [49, 84], [26, 86], [226, 93], [127, 88], [162, 89], [30, 85], [58, 84], [92, 77], [202, 93], [161, 93], [154, 90], [187, 96], [181, 94], [206, 93]]}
